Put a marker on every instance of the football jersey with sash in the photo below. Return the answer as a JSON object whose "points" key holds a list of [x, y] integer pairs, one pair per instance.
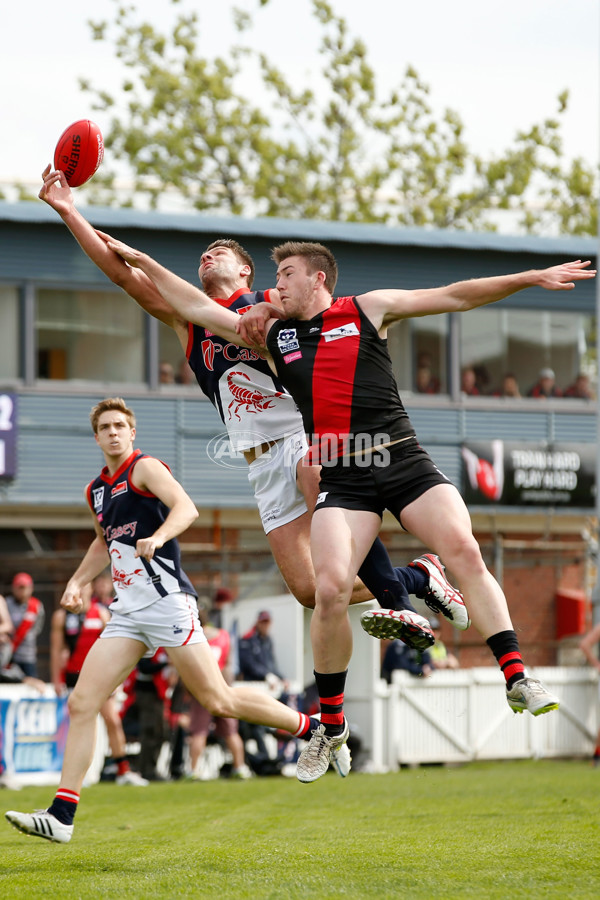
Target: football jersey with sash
{"points": [[339, 372], [253, 405], [126, 514], [81, 631]]}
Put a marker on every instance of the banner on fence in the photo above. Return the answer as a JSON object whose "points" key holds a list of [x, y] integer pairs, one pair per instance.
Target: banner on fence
{"points": [[512, 473]]}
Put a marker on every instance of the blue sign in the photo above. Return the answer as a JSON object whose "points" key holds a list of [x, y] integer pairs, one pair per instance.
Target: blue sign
{"points": [[33, 734]]}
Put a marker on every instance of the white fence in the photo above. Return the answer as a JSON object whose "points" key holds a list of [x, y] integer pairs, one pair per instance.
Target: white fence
{"points": [[462, 715]]}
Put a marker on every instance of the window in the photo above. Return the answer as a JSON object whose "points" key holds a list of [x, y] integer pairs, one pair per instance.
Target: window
{"points": [[89, 335], [523, 342], [9, 332], [172, 358], [418, 349]]}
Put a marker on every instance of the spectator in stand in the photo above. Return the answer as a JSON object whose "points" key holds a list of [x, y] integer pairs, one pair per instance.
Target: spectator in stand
{"points": [[589, 645], [185, 374], [468, 382], [510, 387], [425, 383], [399, 655], [580, 388], [166, 373], [202, 723], [103, 590], [425, 380], [71, 637], [441, 657], [545, 387], [257, 655], [482, 379], [27, 617]]}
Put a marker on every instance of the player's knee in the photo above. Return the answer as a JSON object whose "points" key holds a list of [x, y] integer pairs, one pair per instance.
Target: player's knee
{"points": [[466, 556], [217, 704], [81, 706]]}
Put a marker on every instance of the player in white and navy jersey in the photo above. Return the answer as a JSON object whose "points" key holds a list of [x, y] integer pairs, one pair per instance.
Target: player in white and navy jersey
{"points": [[139, 509]]}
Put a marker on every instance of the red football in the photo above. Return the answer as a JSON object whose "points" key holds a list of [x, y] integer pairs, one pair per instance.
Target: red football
{"points": [[79, 151]]}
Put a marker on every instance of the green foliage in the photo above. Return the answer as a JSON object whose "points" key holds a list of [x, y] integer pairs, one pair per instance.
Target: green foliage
{"points": [[486, 830], [336, 150]]}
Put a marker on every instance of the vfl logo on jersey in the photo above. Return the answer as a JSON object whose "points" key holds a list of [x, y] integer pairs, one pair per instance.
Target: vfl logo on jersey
{"points": [[98, 495], [252, 401], [120, 488], [342, 331], [287, 340]]}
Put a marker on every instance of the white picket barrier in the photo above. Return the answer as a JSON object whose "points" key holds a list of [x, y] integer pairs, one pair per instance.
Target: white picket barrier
{"points": [[462, 715]]}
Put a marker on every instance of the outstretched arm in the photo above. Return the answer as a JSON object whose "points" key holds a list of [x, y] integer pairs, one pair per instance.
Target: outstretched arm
{"points": [[56, 193], [190, 302], [387, 306]]}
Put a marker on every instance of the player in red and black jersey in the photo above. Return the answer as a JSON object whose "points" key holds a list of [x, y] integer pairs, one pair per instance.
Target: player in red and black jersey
{"points": [[332, 358]]}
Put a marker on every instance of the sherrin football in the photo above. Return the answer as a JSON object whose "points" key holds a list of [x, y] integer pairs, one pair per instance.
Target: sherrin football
{"points": [[79, 152]]}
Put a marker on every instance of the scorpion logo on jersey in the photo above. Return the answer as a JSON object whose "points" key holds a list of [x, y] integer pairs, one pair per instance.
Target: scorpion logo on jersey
{"points": [[252, 401], [121, 578]]}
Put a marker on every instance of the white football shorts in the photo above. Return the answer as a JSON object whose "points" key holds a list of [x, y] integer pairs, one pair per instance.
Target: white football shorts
{"points": [[273, 480], [170, 621]]}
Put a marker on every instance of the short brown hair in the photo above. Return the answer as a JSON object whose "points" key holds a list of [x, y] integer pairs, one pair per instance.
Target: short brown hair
{"points": [[111, 403], [319, 259], [239, 251]]}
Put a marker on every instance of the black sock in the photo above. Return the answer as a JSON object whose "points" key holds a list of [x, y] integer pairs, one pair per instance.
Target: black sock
{"points": [[331, 698], [505, 647], [385, 583], [63, 810], [415, 579]]}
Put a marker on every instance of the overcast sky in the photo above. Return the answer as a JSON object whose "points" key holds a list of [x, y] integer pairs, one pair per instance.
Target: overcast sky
{"points": [[500, 63]]}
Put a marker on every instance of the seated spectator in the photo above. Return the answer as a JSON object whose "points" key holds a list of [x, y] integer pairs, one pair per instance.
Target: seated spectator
{"points": [[510, 387], [468, 382], [580, 388], [425, 383], [482, 379], [185, 374], [399, 656], [27, 616], [166, 373], [441, 657], [545, 386]]}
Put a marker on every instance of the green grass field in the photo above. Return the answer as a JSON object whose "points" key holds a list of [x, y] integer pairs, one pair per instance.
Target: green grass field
{"points": [[488, 830]]}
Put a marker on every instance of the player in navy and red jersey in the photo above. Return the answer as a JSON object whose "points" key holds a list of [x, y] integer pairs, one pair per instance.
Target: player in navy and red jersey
{"points": [[263, 422], [332, 346], [139, 509]]}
